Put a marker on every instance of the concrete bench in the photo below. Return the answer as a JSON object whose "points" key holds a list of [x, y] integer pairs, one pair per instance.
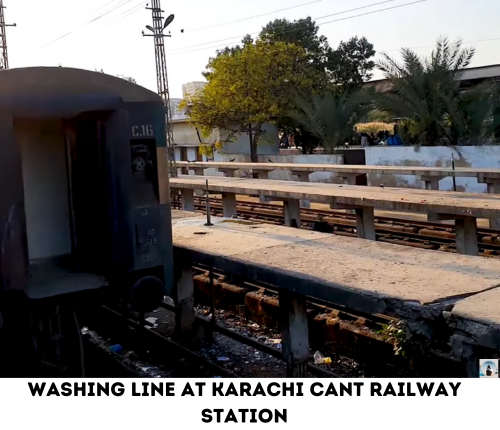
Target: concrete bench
{"points": [[464, 208], [429, 175], [372, 277]]}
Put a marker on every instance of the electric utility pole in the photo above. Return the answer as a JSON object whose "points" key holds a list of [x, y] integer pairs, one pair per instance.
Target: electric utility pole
{"points": [[161, 74], [4, 57]]}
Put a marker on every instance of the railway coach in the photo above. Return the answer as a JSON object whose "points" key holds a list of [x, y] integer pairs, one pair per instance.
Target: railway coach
{"points": [[84, 205]]}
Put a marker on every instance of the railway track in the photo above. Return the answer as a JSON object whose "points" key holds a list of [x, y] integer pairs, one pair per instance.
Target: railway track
{"points": [[418, 234], [140, 335]]}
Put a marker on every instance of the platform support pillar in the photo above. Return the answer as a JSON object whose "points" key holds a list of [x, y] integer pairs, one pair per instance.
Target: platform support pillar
{"points": [[349, 178], [229, 205], [295, 333], [183, 296], [228, 173], [292, 213], [303, 177], [263, 174], [365, 223], [187, 197], [199, 172], [431, 183], [493, 188], [466, 235]]}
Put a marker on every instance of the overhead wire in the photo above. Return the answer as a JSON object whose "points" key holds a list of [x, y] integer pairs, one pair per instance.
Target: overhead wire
{"points": [[120, 4], [321, 17], [252, 17], [319, 24], [127, 13]]}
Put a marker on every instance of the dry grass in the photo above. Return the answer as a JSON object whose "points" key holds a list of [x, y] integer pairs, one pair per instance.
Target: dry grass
{"points": [[374, 127]]}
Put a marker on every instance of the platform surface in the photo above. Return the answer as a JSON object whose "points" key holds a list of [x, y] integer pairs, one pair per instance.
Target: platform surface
{"points": [[483, 308], [401, 199], [340, 168], [360, 274]]}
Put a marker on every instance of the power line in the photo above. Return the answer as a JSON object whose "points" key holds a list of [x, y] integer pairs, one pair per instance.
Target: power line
{"points": [[102, 15], [257, 32], [255, 16], [127, 13], [319, 24], [104, 5]]}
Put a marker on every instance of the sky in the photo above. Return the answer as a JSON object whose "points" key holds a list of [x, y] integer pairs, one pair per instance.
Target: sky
{"points": [[106, 34]]}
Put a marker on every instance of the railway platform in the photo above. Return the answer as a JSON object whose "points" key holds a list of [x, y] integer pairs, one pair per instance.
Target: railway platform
{"points": [[349, 174], [432, 292], [429, 175], [463, 208]]}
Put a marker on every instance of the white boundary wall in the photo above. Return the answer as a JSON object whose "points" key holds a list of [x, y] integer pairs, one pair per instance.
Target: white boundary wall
{"points": [[432, 156]]}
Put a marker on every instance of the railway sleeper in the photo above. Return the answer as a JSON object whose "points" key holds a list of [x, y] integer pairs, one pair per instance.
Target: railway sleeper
{"points": [[335, 330]]}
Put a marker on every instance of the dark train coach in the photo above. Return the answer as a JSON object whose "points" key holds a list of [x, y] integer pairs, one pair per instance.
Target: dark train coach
{"points": [[84, 198]]}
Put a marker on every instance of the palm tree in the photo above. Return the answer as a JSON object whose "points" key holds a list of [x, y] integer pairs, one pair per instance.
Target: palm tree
{"points": [[328, 117], [426, 92]]}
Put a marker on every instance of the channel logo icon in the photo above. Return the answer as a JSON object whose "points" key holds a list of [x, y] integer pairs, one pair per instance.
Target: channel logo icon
{"points": [[488, 368]]}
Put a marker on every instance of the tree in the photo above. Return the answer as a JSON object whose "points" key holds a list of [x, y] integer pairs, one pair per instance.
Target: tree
{"points": [[427, 94], [250, 86], [346, 67], [330, 117], [302, 32], [350, 64]]}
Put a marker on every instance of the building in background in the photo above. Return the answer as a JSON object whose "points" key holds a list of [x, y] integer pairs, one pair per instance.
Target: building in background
{"points": [[191, 88], [177, 112], [187, 139]]}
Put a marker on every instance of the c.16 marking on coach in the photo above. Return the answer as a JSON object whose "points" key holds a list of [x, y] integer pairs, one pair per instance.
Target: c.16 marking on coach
{"points": [[143, 131]]}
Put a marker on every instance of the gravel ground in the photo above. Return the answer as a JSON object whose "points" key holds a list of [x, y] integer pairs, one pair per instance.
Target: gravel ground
{"points": [[241, 359]]}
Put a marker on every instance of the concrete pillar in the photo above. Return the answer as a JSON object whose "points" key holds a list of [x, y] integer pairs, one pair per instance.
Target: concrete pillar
{"points": [[466, 235], [471, 359], [431, 183], [365, 223], [494, 188], [263, 174], [295, 333], [292, 213], [199, 172], [303, 177], [228, 173], [229, 205], [182, 294], [348, 179], [187, 197]]}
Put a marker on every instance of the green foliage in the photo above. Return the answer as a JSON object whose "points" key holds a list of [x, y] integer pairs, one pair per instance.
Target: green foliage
{"points": [[329, 117], [249, 86], [344, 69], [408, 345], [302, 32], [427, 94], [350, 64]]}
